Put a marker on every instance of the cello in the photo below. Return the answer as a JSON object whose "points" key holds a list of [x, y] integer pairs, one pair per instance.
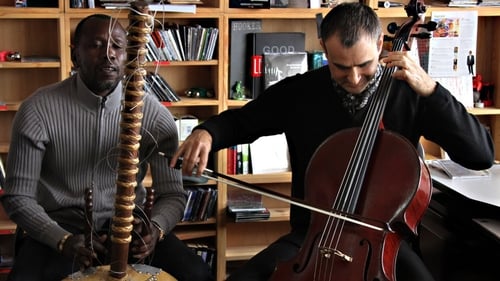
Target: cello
{"points": [[361, 181]]}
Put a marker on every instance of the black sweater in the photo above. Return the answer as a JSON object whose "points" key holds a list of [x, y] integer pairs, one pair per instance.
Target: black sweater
{"points": [[306, 108]]}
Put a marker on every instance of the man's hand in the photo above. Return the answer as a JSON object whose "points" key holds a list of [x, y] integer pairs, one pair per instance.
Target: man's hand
{"points": [[144, 239], [194, 151], [411, 72], [74, 249]]}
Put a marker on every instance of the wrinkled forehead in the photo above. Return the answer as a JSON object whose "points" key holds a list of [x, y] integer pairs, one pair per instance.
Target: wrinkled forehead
{"points": [[363, 50], [98, 27]]}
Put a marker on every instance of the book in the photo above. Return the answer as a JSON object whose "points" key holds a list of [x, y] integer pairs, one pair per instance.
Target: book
{"points": [[244, 201], [205, 199], [245, 158], [456, 171], [211, 204], [278, 3], [231, 160], [188, 210], [246, 206], [250, 216], [269, 42], [178, 8], [278, 66], [237, 50], [159, 86], [2, 175], [259, 4]]}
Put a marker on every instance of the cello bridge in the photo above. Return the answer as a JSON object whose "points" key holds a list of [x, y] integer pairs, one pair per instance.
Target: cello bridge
{"points": [[327, 254]]}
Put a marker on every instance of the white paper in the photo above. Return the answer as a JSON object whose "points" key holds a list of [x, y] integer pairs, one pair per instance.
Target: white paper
{"points": [[269, 154]]}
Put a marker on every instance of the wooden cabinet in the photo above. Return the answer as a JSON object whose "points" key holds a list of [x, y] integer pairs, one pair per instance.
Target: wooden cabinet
{"points": [[45, 33]]}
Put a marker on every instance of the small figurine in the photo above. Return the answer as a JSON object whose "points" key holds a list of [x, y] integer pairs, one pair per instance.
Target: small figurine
{"points": [[477, 85], [239, 91], [10, 56], [198, 92]]}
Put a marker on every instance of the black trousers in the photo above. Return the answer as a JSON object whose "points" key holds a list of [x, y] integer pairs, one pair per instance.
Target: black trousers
{"points": [[409, 266], [35, 261]]}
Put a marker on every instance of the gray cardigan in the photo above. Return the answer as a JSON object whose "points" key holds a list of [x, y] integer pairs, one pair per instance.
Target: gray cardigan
{"points": [[64, 140]]}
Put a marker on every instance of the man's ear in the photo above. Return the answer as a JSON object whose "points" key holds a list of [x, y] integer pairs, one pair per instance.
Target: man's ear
{"points": [[323, 47], [380, 43], [74, 57]]}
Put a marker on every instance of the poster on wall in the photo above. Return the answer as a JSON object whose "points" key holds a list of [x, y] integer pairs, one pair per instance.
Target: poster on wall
{"points": [[452, 48], [452, 51]]}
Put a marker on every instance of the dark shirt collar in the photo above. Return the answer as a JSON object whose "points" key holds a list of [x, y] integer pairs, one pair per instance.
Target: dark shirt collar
{"points": [[354, 103]]}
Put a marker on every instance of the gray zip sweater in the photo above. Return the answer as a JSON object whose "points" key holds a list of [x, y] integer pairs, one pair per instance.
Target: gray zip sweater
{"points": [[64, 140]]}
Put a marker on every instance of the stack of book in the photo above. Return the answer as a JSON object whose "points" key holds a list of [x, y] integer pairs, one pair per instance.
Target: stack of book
{"points": [[157, 7], [182, 43], [267, 154], [206, 252], [489, 2], [200, 204], [158, 86], [2, 175], [245, 206], [463, 3]]}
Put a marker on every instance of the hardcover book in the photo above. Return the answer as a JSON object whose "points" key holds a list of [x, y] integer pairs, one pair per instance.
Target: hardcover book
{"points": [[259, 4], [269, 42], [278, 66], [2, 175], [237, 50], [244, 201]]}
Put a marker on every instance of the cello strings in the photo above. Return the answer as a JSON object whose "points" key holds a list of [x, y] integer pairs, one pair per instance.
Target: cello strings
{"points": [[351, 183]]}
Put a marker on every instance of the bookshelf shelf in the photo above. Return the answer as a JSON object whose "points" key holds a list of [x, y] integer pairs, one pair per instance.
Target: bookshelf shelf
{"points": [[29, 13], [4, 147], [182, 63], [242, 253], [484, 111], [284, 177], [192, 102], [190, 234], [30, 64], [7, 227], [10, 106]]}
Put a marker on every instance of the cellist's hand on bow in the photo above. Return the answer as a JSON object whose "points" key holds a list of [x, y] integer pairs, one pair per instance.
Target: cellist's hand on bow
{"points": [[194, 151], [410, 71]]}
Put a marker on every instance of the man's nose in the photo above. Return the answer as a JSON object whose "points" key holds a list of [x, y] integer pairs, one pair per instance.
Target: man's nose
{"points": [[110, 53], [354, 76]]}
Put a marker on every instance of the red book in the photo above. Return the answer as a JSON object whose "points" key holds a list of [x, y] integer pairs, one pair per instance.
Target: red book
{"points": [[231, 160]]}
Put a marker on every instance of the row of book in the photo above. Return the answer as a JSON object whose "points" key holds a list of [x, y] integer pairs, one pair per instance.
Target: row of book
{"points": [[473, 3], [2, 175], [178, 6], [201, 203], [245, 206], [238, 160], [206, 252], [266, 4], [267, 154], [182, 43], [157, 85]]}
